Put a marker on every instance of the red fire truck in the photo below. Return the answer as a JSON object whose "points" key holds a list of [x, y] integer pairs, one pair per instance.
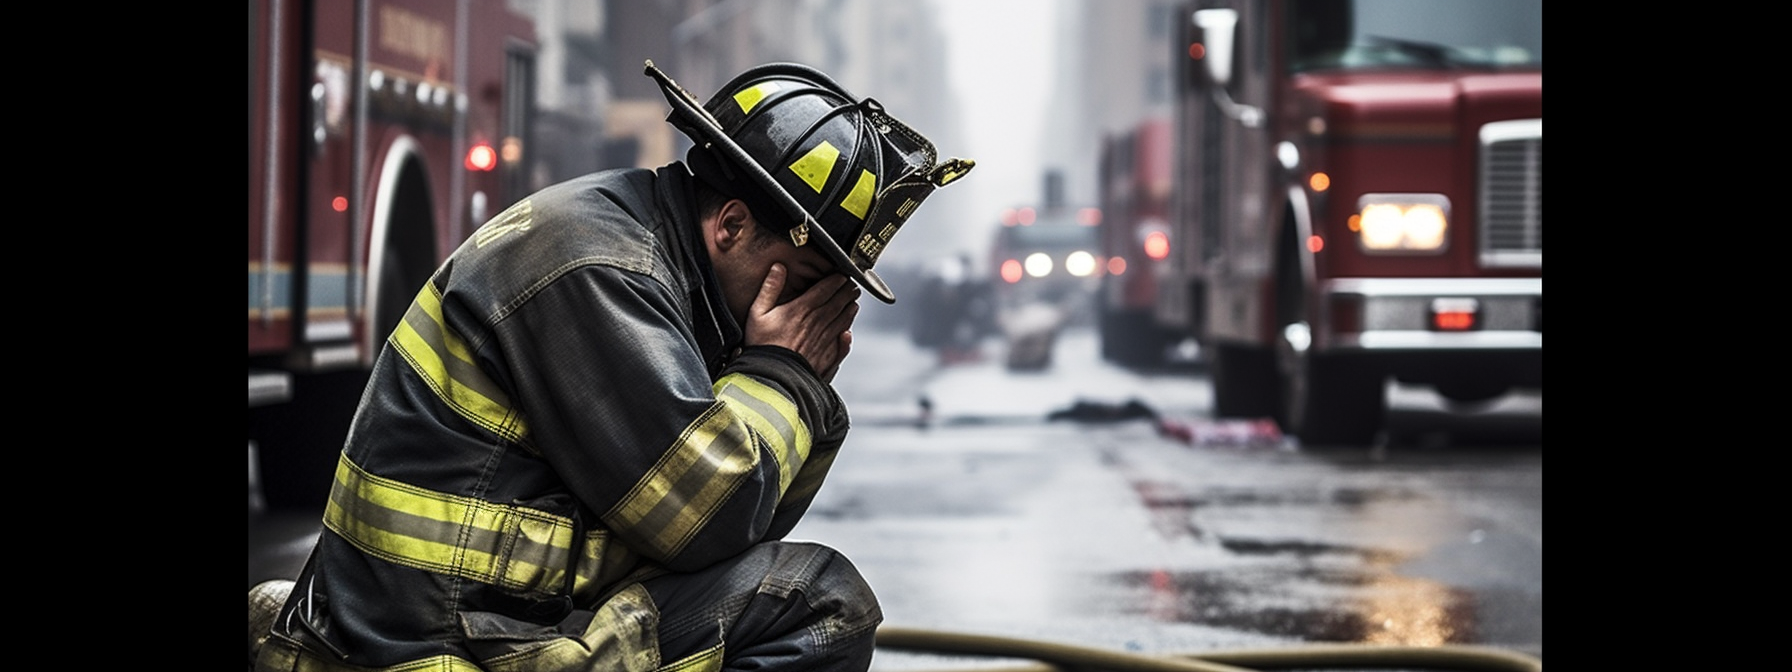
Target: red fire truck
{"points": [[1134, 185], [381, 132], [1358, 200]]}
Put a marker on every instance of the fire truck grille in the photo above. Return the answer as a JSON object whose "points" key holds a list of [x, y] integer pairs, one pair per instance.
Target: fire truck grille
{"points": [[1512, 194]]}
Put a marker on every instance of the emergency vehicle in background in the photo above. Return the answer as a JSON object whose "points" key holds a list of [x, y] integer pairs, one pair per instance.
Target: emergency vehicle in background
{"points": [[1134, 182], [1046, 255], [1358, 198], [381, 133]]}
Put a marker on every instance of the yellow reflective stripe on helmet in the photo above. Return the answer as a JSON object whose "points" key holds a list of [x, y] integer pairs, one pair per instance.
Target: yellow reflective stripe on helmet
{"points": [[748, 98], [773, 417], [442, 359], [508, 546], [858, 201], [815, 166], [952, 169]]}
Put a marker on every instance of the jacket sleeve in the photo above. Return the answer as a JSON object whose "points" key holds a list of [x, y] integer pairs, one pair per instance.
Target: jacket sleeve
{"points": [[618, 399], [790, 373]]}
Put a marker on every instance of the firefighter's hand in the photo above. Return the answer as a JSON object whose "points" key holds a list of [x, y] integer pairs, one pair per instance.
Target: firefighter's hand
{"points": [[817, 324]]}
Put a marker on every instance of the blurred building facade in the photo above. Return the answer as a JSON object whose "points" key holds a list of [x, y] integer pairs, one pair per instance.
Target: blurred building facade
{"points": [[597, 110], [1115, 57]]}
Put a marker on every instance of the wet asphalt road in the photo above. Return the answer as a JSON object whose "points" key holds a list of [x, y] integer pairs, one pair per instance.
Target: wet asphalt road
{"points": [[1087, 504]]}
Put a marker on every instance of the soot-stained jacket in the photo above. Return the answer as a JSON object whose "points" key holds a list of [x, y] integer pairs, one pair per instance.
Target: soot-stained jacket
{"points": [[565, 409]]}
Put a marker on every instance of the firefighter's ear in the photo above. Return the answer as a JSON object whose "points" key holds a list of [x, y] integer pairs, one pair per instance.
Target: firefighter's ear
{"points": [[734, 222]]}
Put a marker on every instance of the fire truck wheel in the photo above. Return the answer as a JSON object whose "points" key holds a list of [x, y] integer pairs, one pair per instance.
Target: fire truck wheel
{"points": [[298, 442], [395, 294], [1333, 401], [1244, 382], [1110, 336], [1130, 338]]}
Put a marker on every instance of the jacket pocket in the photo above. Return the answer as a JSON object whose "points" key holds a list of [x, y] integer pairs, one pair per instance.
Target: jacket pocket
{"points": [[622, 635]]}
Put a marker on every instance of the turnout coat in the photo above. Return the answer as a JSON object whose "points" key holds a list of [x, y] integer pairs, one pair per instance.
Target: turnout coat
{"points": [[565, 410]]}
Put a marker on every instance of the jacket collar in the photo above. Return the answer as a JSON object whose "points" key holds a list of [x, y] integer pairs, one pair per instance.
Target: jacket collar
{"points": [[718, 335]]}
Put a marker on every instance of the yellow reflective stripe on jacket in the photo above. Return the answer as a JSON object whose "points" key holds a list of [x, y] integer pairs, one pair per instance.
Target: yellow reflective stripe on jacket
{"points": [[707, 660], [711, 458], [442, 663], [807, 483], [773, 417], [285, 655], [509, 546], [602, 562], [442, 359]]}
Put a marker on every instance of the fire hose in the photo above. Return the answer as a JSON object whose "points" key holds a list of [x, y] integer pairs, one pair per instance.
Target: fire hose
{"points": [[1054, 657]]}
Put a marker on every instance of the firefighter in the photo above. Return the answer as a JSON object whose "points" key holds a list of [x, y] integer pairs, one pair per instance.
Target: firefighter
{"points": [[585, 443]]}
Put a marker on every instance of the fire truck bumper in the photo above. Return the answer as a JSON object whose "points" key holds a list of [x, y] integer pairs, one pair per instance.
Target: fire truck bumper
{"points": [[1440, 330]]}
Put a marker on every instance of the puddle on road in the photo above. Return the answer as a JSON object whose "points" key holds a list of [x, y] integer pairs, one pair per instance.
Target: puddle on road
{"points": [[1314, 591], [1305, 603], [1171, 506], [1308, 550]]}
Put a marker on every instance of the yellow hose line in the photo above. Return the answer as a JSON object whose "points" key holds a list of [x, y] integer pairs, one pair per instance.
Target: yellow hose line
{"points": [[1056, 656], [1442, 657], [1060, 654]]}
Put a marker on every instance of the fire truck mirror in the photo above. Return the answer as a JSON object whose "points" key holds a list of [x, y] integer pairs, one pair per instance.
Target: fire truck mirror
{"points": [[1216, 27]]}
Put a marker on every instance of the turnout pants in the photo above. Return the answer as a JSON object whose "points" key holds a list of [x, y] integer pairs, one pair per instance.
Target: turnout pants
{"points": [[782, 605], [779, 606]]}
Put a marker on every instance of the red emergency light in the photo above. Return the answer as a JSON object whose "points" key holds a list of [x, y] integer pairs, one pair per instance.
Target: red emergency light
{"points": [[1454, 314], [1116, 265], [1011, 271], [1157, 245], [482, 157]]}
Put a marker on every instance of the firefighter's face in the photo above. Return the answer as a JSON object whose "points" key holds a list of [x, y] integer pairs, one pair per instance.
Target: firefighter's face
{"points": [[806, 265], [743, 252]]}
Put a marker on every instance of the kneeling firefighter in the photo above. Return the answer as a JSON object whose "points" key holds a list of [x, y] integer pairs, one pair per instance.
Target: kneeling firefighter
{"points": [[584, 444]]}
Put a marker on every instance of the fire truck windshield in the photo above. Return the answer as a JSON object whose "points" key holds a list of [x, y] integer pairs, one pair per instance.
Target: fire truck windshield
{"points": [[1380, 34]]}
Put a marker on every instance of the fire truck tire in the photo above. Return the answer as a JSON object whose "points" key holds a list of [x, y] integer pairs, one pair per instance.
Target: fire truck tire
{"points": [[298, 442], [1111, 333], [394, 297], [1129, 338], [1333, 401], [1244, 381]]}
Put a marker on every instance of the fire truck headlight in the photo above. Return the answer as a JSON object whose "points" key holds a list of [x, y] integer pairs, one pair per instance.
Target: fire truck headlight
{"points": [[1039, 264], [1402, 223], [1080, 263]]}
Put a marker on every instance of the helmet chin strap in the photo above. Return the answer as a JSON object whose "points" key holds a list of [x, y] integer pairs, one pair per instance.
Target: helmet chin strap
{"points": [[684, 103]]}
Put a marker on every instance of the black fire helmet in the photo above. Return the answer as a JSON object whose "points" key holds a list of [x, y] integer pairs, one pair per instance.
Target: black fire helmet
{"points": [[839, 171]]}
